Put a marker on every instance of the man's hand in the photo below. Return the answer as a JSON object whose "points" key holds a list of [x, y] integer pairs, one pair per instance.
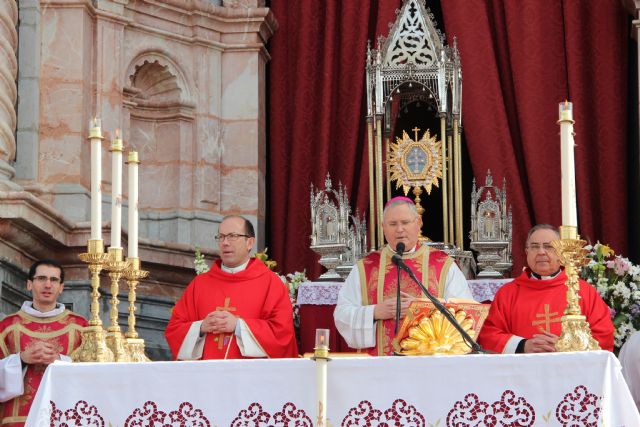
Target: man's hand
{"points": [[40, 353], [387, 308], [544, 342], [218, 322]]}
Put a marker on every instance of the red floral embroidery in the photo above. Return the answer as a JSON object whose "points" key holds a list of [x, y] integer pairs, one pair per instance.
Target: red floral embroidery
{"points": [[399, 415], [82, 414], [289, 416], [508, 411], [579, 408], [149, 416]]}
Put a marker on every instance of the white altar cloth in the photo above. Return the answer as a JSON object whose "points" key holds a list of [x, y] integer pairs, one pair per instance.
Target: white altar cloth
{"points": [[476, 390]]}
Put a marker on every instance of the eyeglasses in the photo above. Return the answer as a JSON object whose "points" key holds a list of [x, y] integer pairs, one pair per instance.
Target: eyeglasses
{"points": [[232, 237], [43, 279], [537, 246]]}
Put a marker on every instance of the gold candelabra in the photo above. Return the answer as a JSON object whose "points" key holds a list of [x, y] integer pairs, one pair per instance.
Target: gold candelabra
{"points": [[94, 347], [115, 340], [135, 345], [576, 333]]}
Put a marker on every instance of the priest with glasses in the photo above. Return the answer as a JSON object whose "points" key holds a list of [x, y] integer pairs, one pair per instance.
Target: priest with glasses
{"points": [[238, 309]]}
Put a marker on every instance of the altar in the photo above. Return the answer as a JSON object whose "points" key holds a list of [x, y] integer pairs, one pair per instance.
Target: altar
{"points": [[552, 389]]}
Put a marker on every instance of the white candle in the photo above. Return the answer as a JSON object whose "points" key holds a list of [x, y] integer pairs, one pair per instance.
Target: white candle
{"points": [[321, 353], [567, 162], [116, 191], [95, 135], [133, 204]]}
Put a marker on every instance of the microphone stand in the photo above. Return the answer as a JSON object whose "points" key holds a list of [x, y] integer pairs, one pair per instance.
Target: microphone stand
{"points": [[475, 347], [398, 306], [399, 252]]}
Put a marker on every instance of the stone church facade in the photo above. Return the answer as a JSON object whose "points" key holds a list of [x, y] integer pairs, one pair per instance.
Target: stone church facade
{"points": [[185, 83]]}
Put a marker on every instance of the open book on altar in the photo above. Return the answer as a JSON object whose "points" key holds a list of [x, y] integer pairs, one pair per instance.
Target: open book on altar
{"points": [[426, 331]]}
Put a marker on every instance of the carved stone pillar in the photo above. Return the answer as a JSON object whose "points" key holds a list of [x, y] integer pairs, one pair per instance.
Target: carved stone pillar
{"points": [[8, 91]]}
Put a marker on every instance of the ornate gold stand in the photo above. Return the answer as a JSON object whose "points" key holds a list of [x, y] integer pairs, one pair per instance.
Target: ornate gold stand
{"points": [[93, 347], [576, 333], [115, 340], [135, 345]]}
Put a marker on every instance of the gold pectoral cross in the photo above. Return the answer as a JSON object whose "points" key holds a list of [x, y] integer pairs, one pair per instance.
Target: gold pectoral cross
{"points": [[226, 307], [547, 318]]}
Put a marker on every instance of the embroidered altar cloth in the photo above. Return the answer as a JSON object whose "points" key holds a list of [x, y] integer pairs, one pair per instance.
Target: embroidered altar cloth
{"points": [[560, 389]]}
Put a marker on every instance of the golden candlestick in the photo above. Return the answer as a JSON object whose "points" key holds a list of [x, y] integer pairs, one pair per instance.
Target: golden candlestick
{"points": [[135, 345], [115, 341], [576, 333], [94, 347]]}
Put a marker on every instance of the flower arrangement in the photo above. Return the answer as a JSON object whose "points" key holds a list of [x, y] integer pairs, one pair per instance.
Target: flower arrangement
{"points": [[293, 281], [617, 280], [199, 263]]}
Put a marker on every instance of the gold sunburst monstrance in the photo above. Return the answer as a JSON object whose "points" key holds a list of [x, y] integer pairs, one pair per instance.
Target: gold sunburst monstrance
{"points": [[416, 163]]}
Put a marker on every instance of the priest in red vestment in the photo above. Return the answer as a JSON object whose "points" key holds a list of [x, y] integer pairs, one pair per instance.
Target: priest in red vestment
{"points": [[366, 309], [238, 309], [525, 316], [42, 332]]}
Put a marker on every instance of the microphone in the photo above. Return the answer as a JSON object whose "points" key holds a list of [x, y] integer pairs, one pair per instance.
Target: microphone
{"points": [[398, 255], [475, 347]]}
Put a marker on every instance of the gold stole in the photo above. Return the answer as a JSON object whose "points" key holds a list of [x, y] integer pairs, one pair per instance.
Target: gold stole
{"points": [[378, 281]]}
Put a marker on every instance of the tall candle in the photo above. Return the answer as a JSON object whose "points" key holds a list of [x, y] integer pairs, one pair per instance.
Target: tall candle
{"points": [[567, 163], [116, 191], [133, 204], [321, 354], [95, 135]]}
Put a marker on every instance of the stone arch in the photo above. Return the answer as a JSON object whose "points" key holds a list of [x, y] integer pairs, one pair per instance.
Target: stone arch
{"points": [[154, 78]]}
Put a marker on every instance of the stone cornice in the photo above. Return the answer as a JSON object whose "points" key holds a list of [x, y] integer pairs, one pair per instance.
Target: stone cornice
{"points": [[37, 230]]}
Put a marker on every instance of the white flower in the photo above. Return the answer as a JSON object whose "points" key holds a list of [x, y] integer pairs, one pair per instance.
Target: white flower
{"points": [[621, 289]]}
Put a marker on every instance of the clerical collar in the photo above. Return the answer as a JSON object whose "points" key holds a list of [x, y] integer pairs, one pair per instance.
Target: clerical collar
{"points": [[539, 277], [405, 252], [234, 270], [28, 308]]}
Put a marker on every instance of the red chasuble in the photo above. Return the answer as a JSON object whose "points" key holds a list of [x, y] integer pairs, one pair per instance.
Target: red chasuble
{"points": [[525, 306], [18, 332], [256, 295], [379, 278]]}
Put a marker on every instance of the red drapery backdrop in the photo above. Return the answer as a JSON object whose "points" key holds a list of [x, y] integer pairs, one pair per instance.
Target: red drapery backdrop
{"points": [[519, 59]]}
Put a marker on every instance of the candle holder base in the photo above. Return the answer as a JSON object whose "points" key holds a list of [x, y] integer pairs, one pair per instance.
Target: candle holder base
{"points": [[135, 347], [576, 332], [576, 335], [93, 347], [116, 343]]}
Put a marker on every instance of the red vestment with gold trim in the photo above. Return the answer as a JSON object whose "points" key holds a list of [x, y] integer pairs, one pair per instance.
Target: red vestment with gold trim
{"points": [[526, 306], [379, 278], [256, 295], [20, 330]]}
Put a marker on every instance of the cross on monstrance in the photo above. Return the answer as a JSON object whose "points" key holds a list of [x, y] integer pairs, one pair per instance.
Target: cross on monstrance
{"points": [[547, 321], [226, 307]]}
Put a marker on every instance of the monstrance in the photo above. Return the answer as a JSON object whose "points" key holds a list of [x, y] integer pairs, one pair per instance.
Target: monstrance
{"points": [[416, 163]]}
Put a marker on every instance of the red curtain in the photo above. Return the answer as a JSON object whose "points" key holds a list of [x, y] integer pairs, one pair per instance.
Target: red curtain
{"points": [[316, 114], [519, 59]]}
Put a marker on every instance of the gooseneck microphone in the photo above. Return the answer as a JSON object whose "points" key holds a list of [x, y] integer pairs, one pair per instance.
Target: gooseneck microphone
{"points": [[398, 254], [475, 347]]}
